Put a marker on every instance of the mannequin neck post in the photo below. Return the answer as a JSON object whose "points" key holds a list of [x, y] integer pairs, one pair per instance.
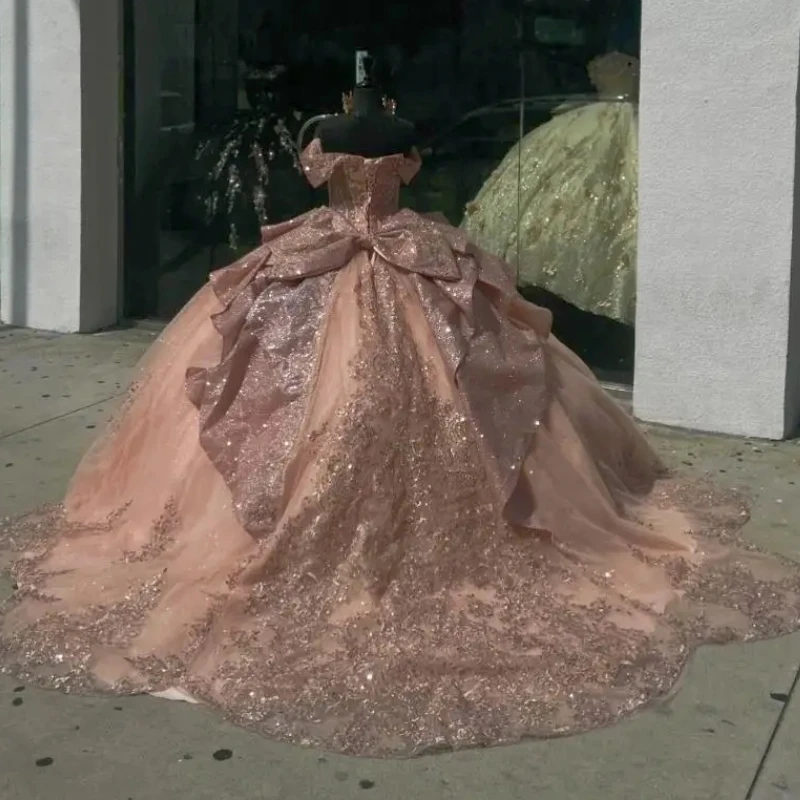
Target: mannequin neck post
{"points": [[367, 100]]}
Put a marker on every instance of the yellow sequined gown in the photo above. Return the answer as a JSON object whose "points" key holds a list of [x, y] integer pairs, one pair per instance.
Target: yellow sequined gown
{"points": [[578, 203]]}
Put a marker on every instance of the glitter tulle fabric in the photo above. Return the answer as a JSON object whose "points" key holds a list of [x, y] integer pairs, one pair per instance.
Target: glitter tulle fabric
{"points": [[570, 187], [361, 498]]}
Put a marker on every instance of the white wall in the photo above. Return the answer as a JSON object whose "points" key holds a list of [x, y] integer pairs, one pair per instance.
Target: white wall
{"points": [[59, 163], [718, 143]]}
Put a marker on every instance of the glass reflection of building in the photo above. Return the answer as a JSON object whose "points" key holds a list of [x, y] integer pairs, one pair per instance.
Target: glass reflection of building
{"points": [[216, 91]]}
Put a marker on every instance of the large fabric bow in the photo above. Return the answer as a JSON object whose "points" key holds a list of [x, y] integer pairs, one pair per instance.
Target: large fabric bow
{"points": [[324, 240]]}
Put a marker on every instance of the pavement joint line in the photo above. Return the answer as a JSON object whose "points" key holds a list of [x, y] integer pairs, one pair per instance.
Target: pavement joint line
{"points": [[35, 425], [773, 736]]}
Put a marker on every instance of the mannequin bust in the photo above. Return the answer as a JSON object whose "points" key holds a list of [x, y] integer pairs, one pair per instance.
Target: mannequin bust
{"points": [[368, 129]]}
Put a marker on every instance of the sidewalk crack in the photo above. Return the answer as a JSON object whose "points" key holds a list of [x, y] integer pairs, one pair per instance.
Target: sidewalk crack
{"points": [[35, 425], [771, 741]]}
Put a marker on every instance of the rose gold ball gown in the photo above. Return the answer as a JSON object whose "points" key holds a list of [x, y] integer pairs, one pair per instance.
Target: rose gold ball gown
{"points": [[360, 497]]}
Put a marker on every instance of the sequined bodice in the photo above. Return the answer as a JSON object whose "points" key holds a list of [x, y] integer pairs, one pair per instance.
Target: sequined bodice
{"points": [[364, 190]]}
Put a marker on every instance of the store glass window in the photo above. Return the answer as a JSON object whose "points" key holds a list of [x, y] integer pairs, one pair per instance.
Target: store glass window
{"points": [[562, 207], [526, 113]]}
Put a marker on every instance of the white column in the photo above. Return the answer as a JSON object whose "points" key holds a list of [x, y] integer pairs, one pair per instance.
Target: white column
{"points": [[59, 153], [718, 334]]}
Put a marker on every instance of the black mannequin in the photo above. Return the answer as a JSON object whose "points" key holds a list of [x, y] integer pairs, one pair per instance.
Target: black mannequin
{"points": [[369, 130]]}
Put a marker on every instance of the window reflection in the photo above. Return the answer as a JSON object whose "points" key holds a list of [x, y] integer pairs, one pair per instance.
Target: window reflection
{"points": [[535, 160], [562, 206]]}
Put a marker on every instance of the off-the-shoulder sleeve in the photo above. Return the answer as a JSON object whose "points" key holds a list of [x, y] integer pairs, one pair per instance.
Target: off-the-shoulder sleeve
{"points": [[317, 165], [410, 166]]}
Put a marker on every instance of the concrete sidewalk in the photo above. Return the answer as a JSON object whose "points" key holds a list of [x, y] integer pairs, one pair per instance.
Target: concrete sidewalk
{"points": [[732, 732]]}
